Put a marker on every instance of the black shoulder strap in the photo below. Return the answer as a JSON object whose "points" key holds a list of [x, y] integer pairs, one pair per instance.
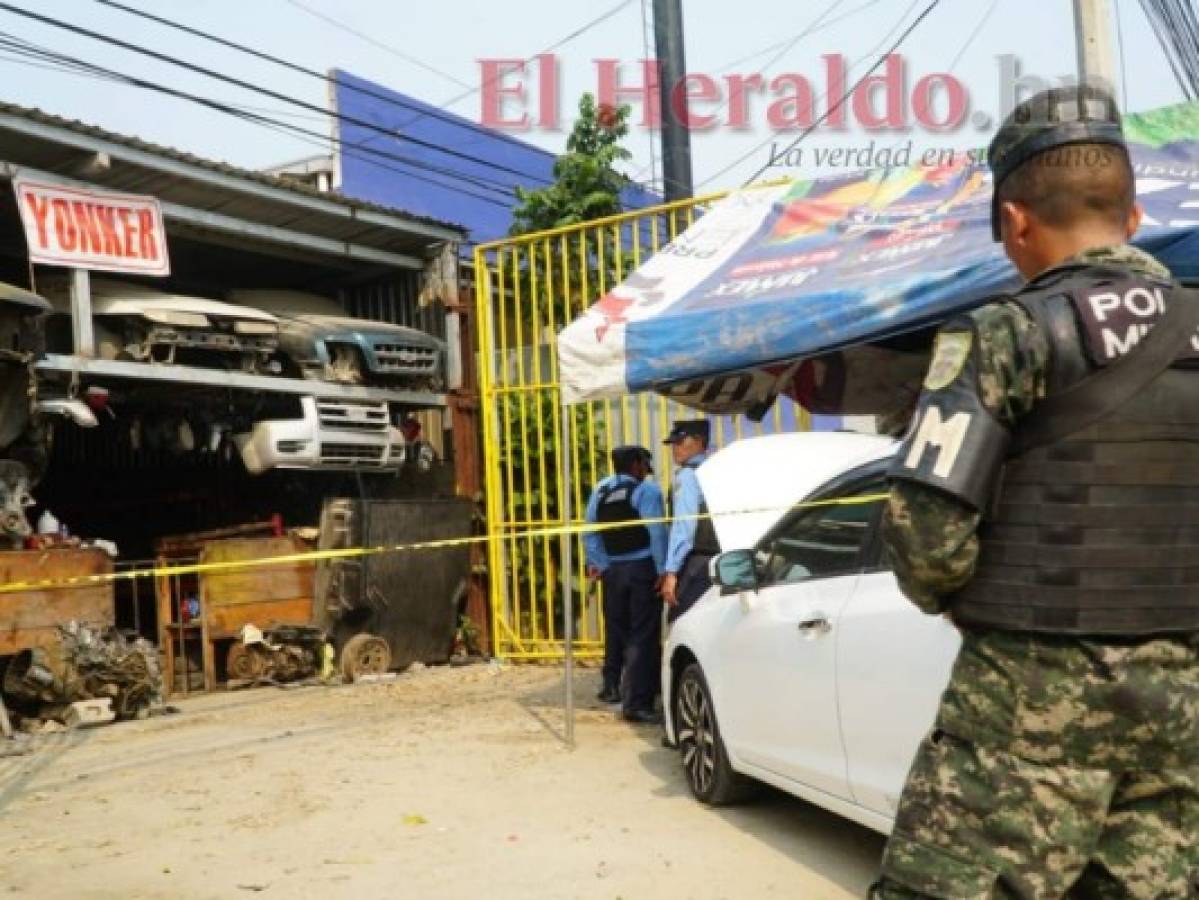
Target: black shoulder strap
{"points": [[1097, 395]]}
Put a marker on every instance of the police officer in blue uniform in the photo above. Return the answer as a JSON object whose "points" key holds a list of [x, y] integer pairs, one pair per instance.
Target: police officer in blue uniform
{"points": [[692, 540], [629, 561]]}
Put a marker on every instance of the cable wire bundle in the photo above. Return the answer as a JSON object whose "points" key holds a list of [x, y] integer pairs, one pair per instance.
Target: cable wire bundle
{"points": [[478, 182], [1177, 30]]}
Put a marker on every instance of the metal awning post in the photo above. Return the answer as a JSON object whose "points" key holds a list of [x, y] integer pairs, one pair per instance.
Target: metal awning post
{"points": [[568, 573], [83, 332]]}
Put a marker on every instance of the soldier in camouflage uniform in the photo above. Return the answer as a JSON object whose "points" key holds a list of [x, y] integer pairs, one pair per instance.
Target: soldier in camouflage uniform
{"points": [[1064, 760]]}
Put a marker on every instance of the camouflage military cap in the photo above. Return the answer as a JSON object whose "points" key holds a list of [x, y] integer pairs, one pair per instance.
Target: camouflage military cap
{"points": [[1078, 114]]}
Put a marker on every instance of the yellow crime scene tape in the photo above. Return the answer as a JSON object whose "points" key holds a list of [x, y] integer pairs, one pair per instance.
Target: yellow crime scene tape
{"points": [[444, 543]]}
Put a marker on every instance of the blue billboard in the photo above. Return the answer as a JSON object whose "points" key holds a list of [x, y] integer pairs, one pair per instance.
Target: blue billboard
{"points": [[438, 164]]}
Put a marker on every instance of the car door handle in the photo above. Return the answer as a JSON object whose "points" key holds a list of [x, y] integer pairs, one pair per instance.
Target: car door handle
{"points": [[815, 625]]}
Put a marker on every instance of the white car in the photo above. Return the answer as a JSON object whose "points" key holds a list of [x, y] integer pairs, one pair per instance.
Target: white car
{"points": [[804, 666], [336, 435]]}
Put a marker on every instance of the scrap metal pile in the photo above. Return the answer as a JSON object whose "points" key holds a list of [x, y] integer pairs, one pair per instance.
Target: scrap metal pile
{"points": [[281, 654], [88, 676]]}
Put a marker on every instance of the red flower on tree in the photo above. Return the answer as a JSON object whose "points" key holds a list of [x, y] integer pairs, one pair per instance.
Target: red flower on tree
{"points": [[607, 115]]}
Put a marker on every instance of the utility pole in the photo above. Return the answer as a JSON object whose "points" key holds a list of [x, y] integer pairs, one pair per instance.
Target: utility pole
{"points": [[1093, 37], [672, 67]]}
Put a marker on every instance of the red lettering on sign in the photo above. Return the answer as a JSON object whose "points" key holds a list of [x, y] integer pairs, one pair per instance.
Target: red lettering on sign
{"points": [[149, 244], [89, 230], [128, 231], [40, 208], [107, 218], [68, 237], [67, 226]]}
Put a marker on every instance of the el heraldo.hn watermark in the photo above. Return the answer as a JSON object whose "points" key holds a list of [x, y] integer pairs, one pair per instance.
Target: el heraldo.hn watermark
{"points": [[526, 95]]}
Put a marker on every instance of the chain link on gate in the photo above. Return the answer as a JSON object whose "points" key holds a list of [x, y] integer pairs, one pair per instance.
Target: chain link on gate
{"points": [[527, 289]]}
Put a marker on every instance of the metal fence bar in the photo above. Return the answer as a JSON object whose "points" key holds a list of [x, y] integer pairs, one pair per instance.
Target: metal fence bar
{"points": [[518, 352], [542, 460], [536, 311]]}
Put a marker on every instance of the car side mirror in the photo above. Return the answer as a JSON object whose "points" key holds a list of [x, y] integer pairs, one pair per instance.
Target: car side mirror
{"points": [[734, 571]]}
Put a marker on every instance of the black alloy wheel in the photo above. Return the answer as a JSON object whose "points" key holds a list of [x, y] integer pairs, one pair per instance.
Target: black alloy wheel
{"points": [[705, 761]]}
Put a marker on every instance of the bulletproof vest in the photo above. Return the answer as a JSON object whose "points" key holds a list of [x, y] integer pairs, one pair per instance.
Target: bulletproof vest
{"points": [[615, 504], [705, 542], [1097, 533]]}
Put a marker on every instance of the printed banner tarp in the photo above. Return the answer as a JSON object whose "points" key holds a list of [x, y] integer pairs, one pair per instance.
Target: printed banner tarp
{"points": [[787, 290]]}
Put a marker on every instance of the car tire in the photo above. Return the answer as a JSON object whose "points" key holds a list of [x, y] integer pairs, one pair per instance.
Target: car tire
{"points": [[701, 747]]}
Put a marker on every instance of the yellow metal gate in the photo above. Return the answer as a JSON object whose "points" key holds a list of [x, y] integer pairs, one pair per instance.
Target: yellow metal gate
{"points": [[527, 289]]}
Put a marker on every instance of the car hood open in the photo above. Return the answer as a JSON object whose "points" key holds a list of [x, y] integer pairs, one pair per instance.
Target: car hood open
{"points": [[751, 484]]}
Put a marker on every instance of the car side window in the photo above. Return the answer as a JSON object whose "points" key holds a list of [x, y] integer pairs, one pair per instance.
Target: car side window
{"points": [[823, 541]]}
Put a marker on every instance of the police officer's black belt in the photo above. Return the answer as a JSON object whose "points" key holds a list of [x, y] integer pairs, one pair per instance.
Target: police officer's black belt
{"points": [[1061, 415]]}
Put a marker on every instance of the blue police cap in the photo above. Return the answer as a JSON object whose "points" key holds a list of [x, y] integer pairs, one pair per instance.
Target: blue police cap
{"points": [[700, 428]]}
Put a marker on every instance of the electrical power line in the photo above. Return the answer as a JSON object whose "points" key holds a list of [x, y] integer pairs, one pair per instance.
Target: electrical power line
{"points": [[1123, 64], [561, 42], [375, 42], [962, 50], [646, 30], [1177, 30], [785, 42], [840, 102], [789, 45], [29, 61], [83, 67], [982, 23], [421, 110], [849, 93], [815, 25], [869, 54], [391, 99], [268, 92]]}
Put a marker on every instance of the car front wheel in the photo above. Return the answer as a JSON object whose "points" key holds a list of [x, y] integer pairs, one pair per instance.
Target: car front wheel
{"points": [[705, 761]]}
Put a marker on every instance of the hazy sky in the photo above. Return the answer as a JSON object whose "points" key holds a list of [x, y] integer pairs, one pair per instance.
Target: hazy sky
{"points": [[450, 37]]}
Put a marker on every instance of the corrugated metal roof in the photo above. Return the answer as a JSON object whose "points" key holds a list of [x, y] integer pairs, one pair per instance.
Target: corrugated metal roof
{"points": [[39, 117]]}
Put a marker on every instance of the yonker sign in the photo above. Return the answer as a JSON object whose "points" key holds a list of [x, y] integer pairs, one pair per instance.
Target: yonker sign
{"points": [[86, 229]]}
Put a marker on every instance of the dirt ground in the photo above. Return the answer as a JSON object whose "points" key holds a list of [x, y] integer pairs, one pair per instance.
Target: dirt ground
{"points": [[448, 783]]}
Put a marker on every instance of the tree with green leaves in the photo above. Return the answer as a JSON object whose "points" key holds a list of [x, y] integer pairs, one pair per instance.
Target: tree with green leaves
{"points": [[586, 184]]}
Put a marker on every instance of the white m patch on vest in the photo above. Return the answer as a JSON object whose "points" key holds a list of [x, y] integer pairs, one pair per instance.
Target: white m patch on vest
{"points": [[945, 435]]}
